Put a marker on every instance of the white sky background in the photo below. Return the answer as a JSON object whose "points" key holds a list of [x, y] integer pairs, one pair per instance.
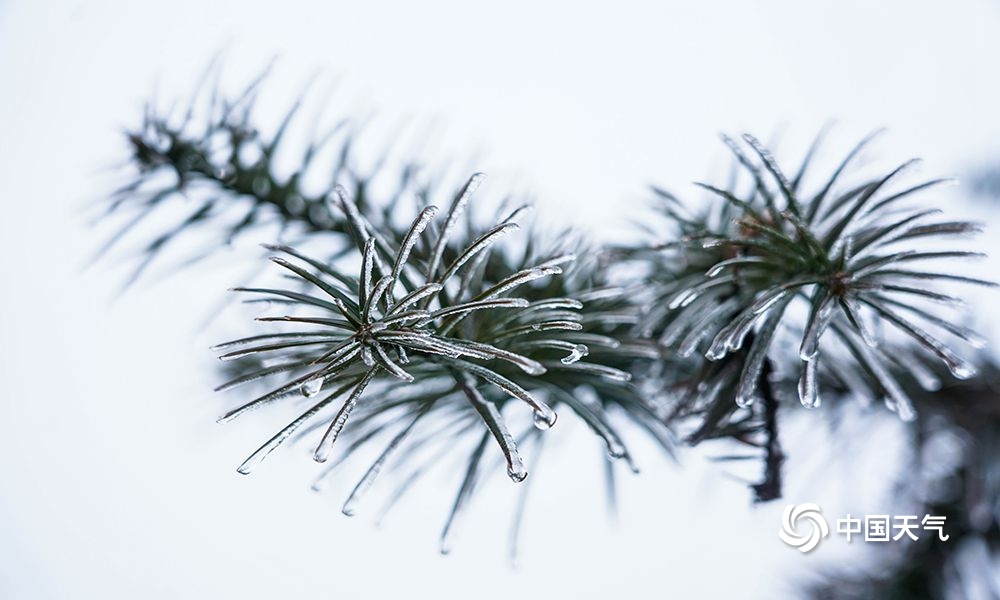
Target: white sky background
{"points": [[114, 480]]}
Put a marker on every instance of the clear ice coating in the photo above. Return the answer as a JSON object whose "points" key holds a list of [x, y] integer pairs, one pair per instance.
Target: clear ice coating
{"points": [[817, 325], [808, 384], [312, 387], [578, 352], [719, 347], [366, 356]]}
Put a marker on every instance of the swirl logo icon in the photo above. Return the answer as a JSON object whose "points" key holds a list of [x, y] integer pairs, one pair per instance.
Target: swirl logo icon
{"points": [[803, 512]]}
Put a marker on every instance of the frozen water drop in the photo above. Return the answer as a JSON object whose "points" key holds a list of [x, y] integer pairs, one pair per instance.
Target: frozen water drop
{"points": [[517, 473], [905, 411], [312, 387], [544, 420], [744, 399], [961, 369], [616, 450]]}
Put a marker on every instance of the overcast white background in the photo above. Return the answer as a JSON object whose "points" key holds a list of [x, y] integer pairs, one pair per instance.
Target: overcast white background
{"points": [[115, 482]]}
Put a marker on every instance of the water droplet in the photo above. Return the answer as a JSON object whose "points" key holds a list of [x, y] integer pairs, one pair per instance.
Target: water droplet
{"points": [[961, 369], [517, 473], [312, 387], [905, 411], [744, 399], [544, 419], [615, 449]]}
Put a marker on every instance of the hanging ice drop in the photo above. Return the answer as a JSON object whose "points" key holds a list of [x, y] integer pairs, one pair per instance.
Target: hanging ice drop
{"points": [[544, 420], [808, 386], [312, 387], [517, 472]]}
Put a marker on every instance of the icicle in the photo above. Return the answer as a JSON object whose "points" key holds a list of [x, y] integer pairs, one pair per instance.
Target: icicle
{"points": [[498, 427], [818, 323], [753, 366], [808, 385], [322, 452]]}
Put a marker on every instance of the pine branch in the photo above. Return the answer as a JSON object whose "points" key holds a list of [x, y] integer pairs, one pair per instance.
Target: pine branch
{"points": [[417, 330], [735, 280], [431, 341]]}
